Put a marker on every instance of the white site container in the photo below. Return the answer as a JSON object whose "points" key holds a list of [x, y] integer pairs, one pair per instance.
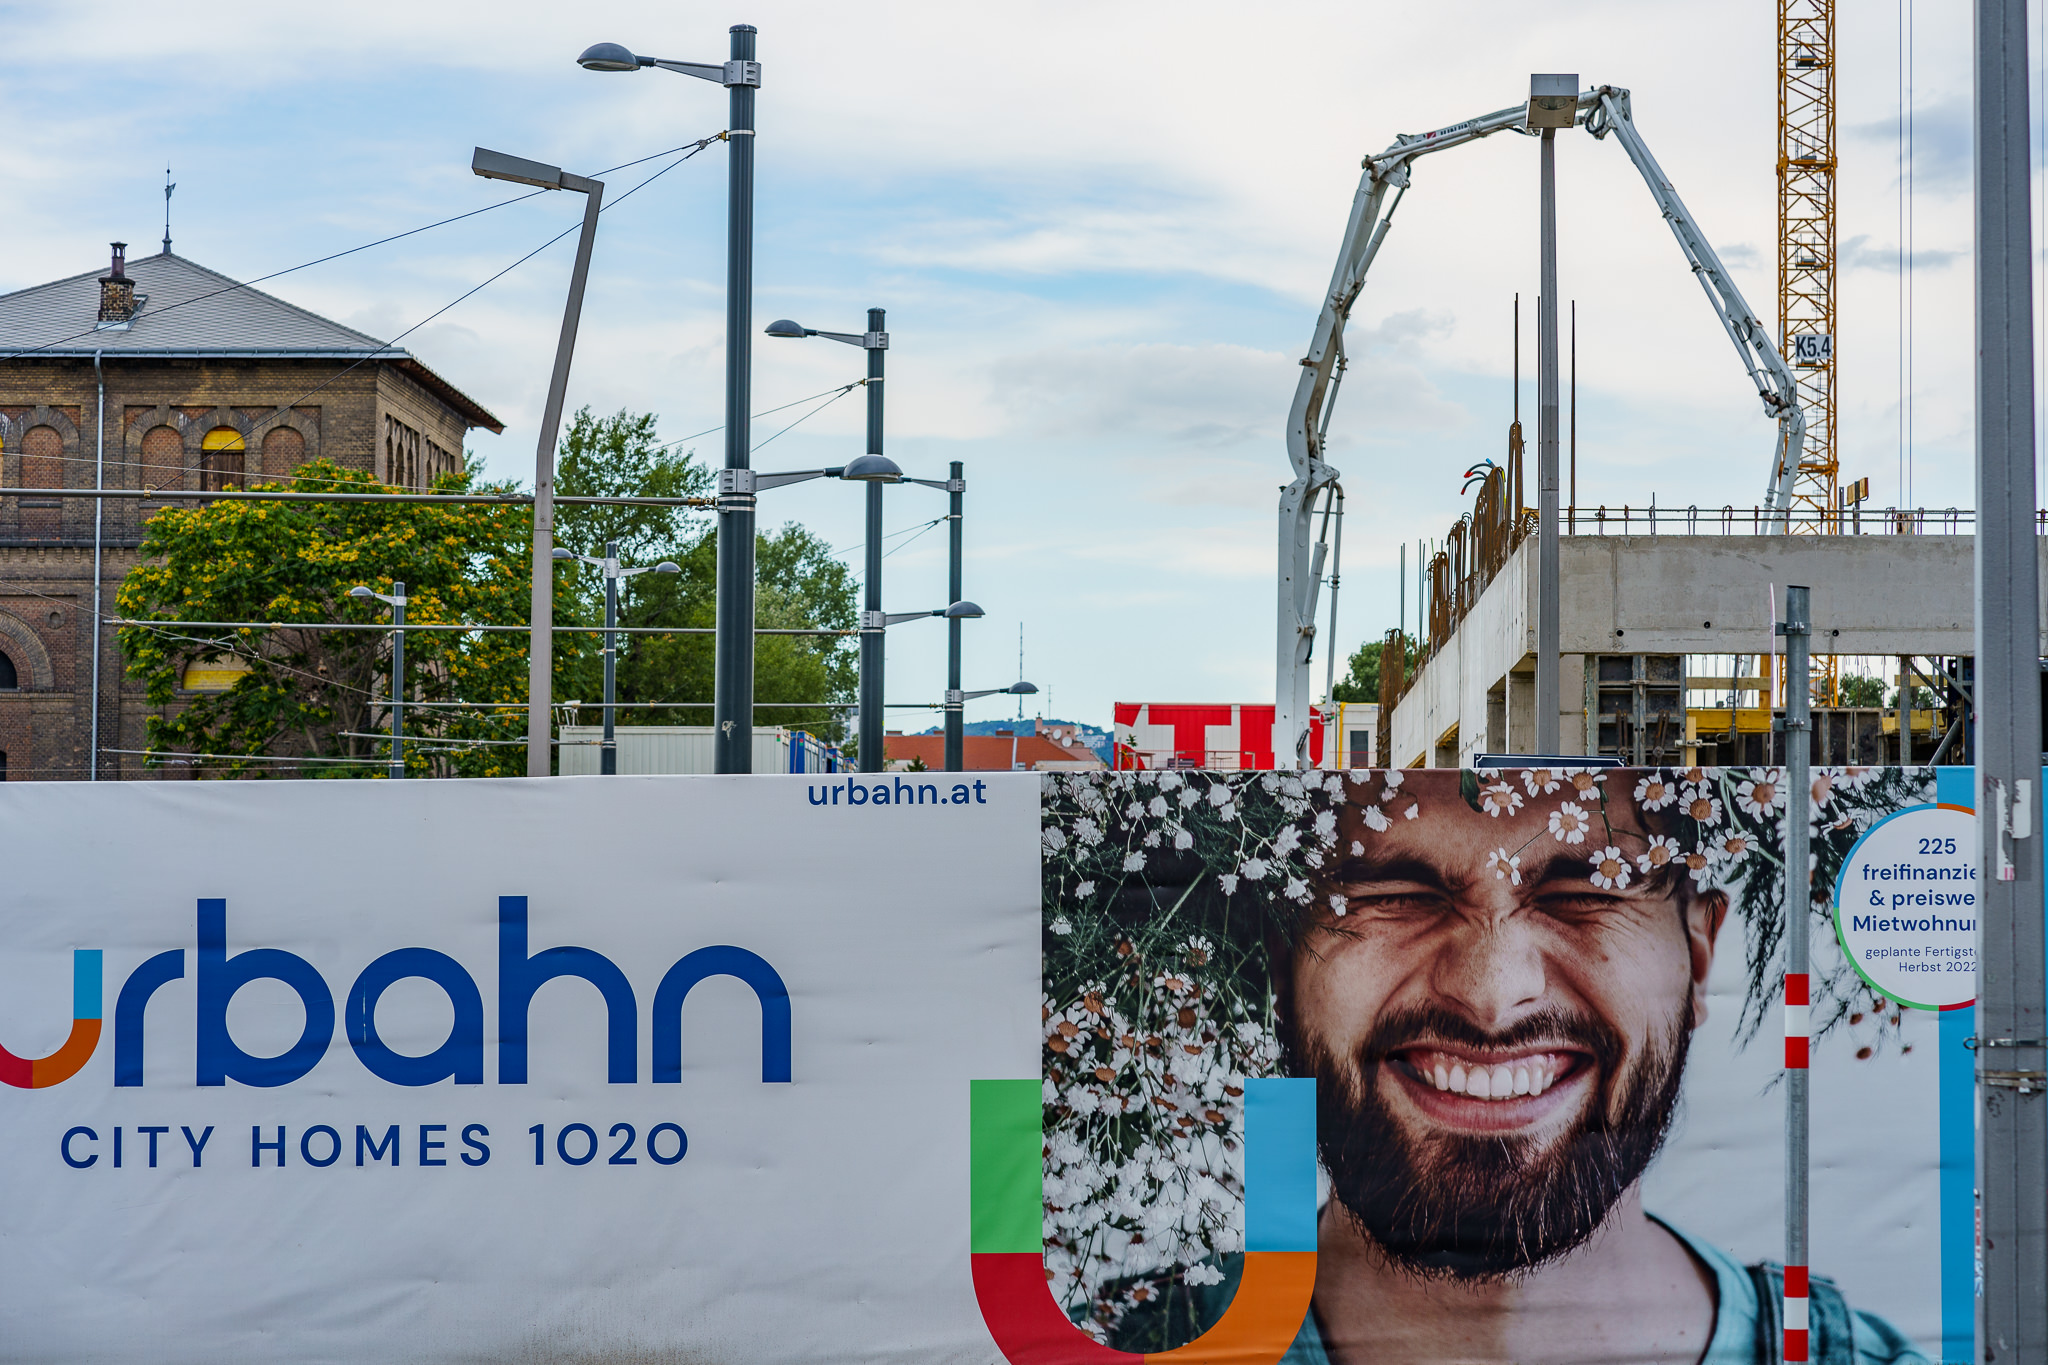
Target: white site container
{"points": [[663, 749]]}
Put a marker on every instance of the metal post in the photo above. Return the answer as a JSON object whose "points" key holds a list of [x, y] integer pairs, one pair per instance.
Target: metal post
{"points": [[956, 742], [732, 706], [397, 680], [2012, 1126], [1548, 600], [871, 637], [608, 756], [540, 654], [1797, 629]]}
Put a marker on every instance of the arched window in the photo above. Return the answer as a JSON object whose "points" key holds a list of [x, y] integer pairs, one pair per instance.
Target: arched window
{"points": [[42, 466], [225, 453], [163, 459], [284, 450], [9, 680]]}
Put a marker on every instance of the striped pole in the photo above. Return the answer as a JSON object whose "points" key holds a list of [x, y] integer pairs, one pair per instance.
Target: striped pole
{"points": [[1797, 628], [1795, 1166]]}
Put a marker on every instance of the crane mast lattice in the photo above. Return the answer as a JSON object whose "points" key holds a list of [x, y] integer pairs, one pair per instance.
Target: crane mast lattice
{"points": [[1806, 246]]}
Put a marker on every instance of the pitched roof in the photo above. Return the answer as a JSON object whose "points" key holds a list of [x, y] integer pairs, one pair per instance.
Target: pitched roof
{"points": [[190, 311], [989, 753]]}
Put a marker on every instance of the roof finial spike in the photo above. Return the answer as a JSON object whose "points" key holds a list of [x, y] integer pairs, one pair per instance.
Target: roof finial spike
{"points": [[168, 187]]}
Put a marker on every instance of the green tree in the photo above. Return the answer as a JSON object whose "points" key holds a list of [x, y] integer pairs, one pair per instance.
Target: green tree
{"points": [[1860, 689], [798, 585], [320, 695], [1361, 680]]}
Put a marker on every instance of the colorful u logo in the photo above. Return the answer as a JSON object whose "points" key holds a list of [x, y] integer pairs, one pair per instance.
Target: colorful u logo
{"points": [[1279, 1220], [26, 1073]]}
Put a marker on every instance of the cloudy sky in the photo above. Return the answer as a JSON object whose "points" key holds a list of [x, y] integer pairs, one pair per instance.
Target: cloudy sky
{"points": [[1101, 232]]}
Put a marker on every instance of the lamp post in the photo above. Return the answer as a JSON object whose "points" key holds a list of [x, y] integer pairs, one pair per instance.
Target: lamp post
{"points": [[396, 597], [732, 706], [540, 648], [875, 341], [608, 756], [879, 621], [1553, 104]]}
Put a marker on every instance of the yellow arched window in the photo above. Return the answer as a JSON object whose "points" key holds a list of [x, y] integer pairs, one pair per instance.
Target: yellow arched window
{"points": [[225, 453]]}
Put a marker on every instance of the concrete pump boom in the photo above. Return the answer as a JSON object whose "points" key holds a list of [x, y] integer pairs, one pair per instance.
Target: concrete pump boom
{"points": [[1602, 110]]}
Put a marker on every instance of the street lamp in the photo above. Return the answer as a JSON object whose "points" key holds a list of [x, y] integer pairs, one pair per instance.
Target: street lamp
{"points": [[396, 597], [875, 342], [1553, 104], [732, 740], [540, 646], [608, 756]]}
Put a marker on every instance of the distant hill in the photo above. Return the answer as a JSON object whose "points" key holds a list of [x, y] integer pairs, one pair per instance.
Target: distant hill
{"points": [[1100, 741]]}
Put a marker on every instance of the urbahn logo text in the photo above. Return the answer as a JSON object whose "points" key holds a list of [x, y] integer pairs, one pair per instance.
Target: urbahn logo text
{"points": [[459, 1058]]}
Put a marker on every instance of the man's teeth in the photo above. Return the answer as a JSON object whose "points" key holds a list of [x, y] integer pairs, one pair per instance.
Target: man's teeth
{"points": [[1529, 1077]]}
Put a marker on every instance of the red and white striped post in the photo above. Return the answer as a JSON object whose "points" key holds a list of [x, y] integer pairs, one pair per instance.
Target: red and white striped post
{"points": [[1797, 627], [1795, 1316]]}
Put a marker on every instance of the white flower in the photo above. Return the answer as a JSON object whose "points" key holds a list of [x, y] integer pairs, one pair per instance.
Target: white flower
{"points": [[1500, 799], [1157, 806], [1054, 840], [1610, 869], [1655, 792], [1412, 811], [1169, 780], [1286, 841], [1134, 811], [1087, 831], [1568, 824], [1201, 1274], [1700, 867], [1376, 819], [1228, 815], [1393, 778], [1297, 890], [1183, 839], [1326, 823], [1358, 849], [1702, 805], [1219, 794], [1823, 788], [1134, 862], [1228, 881], [1152, 838], [1761, 795], [1540, 781], [1339, 905], [1731, 845], [1585, 781], [1504, 865], [1255, 868], [1085, 890], [1061, 926], [1662, 850]]}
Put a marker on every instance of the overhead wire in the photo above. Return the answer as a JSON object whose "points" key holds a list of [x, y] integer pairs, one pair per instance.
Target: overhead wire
{"points": [[699, 145]]}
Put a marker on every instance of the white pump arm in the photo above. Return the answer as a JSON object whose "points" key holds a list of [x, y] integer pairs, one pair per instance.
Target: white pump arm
{"points": [[1603, 109]]}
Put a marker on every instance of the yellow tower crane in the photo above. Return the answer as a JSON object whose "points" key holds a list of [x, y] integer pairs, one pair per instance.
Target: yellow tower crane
{"points": [[1806, 264]]}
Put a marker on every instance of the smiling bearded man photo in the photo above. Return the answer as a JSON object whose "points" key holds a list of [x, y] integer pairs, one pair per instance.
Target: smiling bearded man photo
{"points": [[1498, 1023], [1495, 990]]}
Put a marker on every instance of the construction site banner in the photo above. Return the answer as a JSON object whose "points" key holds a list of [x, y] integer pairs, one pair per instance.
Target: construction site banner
{"points": [[934, 1068]]}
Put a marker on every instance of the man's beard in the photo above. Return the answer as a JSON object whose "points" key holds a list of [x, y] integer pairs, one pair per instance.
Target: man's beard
{"points": [[1488, 1208]]}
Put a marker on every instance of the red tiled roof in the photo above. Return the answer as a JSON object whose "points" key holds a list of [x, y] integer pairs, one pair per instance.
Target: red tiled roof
{"points": [[983, 753]]}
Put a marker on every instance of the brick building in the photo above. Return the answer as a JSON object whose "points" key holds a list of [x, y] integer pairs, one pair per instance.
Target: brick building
{"points": [[160, 374]]}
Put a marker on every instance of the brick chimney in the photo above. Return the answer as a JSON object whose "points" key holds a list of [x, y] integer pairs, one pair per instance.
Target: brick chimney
{"points": [[117, 291]]}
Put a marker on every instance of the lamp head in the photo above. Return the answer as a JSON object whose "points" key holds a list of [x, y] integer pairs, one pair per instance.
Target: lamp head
{"points": [[872, 469], [561, 553], [668, 566], [360, 591], [608, 57], [783, 327], [1022, 689], [963, 611]]}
